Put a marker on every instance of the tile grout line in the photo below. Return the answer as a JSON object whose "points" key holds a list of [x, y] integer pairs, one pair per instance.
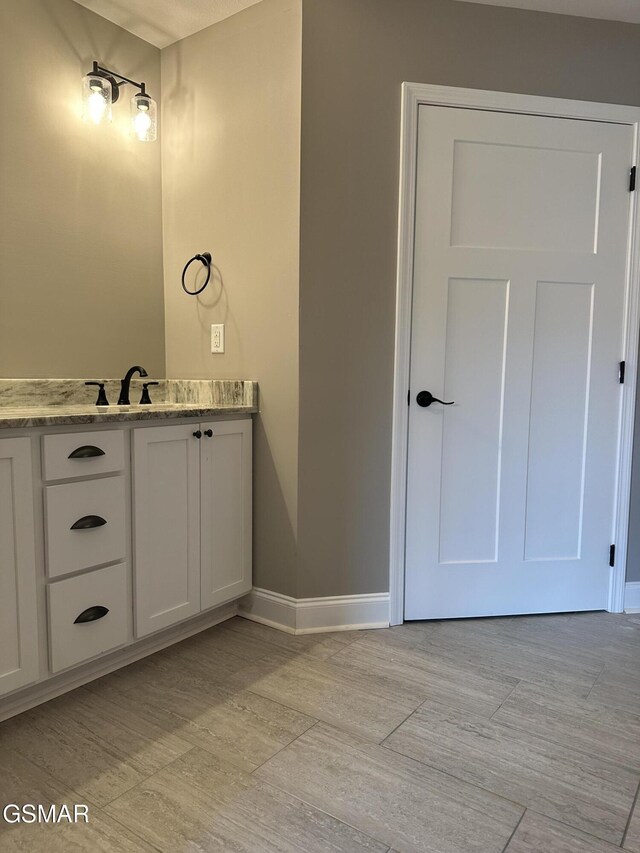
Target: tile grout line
{"points": [[573, 828], [226, 688], [165, 727], [286, 746], [301, 800], [332, 723], [458, 657], [312, 805], [359, 636], [423, 700], [628, 824], [68, 789], [150, 776], [133, 831], [126, 826], [458, 779], [415, 761], [592, 688], [257, 779], [515, 829], [415, 711], [501, 796], [92, 804], [507, 697], [518, 726], [494, 794]]}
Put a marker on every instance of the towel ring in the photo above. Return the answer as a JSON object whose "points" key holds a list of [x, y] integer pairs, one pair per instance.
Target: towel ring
{"points": [[205, 258]]}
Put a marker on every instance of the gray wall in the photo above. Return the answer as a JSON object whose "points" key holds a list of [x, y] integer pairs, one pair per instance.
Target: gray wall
{"points": [[356, 54], [231, 185], [80, 211]]}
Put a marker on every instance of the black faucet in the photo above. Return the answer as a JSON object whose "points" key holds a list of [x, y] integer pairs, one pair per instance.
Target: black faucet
{"points": [[123, 399]]}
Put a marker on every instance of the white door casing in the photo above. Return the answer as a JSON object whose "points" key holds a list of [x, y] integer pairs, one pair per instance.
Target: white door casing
{"points": [[18, 609], [520, 289]]}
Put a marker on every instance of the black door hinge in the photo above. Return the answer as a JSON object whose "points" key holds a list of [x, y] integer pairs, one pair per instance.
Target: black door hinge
{"points": [[409, 397], [632, 179], [621, 371], [612, 556]]}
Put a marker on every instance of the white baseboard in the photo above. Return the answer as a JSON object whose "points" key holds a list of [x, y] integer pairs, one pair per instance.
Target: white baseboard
{"points": [[269, 608], [316, 615], [632, 597]]}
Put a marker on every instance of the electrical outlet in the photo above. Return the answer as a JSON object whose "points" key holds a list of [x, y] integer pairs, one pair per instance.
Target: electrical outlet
{"points": [[217, 338]]}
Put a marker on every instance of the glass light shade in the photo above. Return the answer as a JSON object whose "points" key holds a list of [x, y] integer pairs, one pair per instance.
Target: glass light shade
{"points": [[97, 96], [144, 117]]}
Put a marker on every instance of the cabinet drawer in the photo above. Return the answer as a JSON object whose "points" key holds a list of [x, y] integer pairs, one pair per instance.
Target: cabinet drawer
{"points": [[85, 524], [82, 454], [101, 599]]}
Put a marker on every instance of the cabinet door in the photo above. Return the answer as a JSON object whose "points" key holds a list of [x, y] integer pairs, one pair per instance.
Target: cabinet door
{"points": [[226, 511], [18, 608], [166, 509]]}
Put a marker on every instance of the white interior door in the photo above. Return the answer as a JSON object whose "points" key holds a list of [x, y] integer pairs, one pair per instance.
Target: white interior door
{"points": [[520, 258]]}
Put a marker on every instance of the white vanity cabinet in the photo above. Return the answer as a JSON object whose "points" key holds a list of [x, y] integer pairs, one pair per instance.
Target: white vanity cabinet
{"points": [[19, 663], [192, 519], [116, 540]]}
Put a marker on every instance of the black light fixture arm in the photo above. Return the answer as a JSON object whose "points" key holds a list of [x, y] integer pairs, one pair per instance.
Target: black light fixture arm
{"points": [[116, 80]]}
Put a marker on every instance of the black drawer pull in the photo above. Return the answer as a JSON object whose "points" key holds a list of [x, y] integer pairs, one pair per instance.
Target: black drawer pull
{"points": [[91, 614], [87, 451], [87, 522]]}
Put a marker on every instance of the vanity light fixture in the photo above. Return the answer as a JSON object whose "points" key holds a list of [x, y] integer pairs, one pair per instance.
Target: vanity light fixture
{"points": [[101, 89]]}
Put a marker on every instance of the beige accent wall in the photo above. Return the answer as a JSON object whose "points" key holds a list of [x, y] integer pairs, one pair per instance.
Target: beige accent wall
{"points": [[356, 54], [231, 166], [80, 215]]}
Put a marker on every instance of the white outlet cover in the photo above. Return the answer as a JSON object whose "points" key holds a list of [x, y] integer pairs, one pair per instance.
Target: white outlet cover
{"points": [[217, 338]]}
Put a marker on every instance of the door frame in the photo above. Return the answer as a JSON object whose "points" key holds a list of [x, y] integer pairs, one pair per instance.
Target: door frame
{"points": [[413, 95]]}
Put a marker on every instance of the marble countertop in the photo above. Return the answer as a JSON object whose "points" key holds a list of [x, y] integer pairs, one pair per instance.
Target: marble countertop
{"points": [[38, 416], [52, 402]]}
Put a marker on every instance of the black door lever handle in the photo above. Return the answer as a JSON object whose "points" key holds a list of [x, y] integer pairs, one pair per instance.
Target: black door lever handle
{"points": [[426, 398]]}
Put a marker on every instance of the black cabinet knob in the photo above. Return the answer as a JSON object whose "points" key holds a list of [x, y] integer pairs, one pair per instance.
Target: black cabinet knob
{"points": [[197, 434], [208, 433]]}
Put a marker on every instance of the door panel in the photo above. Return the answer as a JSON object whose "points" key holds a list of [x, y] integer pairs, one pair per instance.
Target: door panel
{"points": [[166, 504], [226, 511], [469, 497], [519, 292], [558, 420], [18, 609], [541, 198]]}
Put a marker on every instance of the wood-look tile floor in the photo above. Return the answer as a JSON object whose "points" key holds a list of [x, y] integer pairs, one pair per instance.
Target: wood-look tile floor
{"points": [[515, 735]]}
